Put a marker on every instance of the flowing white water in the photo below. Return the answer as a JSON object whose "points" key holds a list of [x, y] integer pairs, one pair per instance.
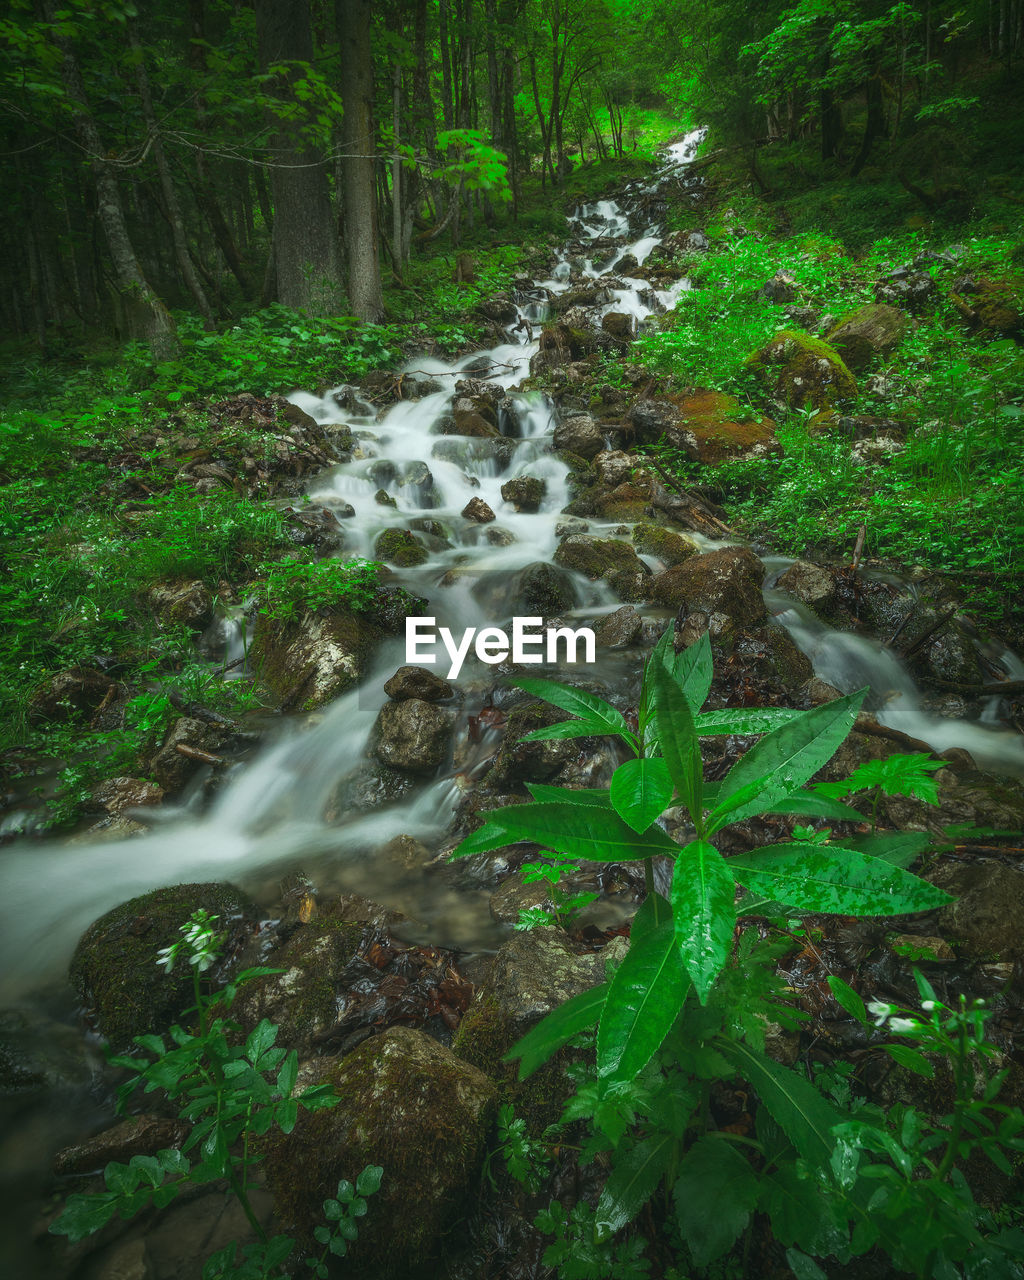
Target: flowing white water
{"points": [[275, 813]]}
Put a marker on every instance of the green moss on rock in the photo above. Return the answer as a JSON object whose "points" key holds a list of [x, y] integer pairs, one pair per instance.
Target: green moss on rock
{"points": [[401, 548], [802, 370], [114, 968], [671, 548], [409, 1105]]}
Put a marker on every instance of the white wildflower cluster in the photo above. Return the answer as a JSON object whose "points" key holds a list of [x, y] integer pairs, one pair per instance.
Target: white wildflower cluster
{"points": [[199, 938]]}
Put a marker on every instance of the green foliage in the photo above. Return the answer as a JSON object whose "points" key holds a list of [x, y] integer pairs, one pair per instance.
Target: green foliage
{"points": [[231, 1089], [689, 1006], [564, 906], [290, 588]]}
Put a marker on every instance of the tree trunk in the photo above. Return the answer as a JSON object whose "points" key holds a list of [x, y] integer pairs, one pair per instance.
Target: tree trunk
{"points": [[360, 199], [307, 262], [170, 196], [146, 317]]}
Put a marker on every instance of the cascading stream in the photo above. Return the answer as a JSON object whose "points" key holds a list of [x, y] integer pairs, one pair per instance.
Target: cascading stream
{"points": [[270, 814]]}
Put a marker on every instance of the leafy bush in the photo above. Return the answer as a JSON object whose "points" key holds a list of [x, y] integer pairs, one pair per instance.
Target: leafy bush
{"points": [[689, 1006]]}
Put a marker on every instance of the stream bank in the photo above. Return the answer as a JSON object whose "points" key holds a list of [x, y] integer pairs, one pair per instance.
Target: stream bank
{"points": [[490, 501]]}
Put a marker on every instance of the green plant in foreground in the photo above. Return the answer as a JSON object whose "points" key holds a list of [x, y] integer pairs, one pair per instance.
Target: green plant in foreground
{"points": [[564, 906], [689, 1005], [231, 1091]]}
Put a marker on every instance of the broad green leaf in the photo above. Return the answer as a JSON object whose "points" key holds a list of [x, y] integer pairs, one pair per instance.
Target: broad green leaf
{"points": [[692, 669], [596, 796], [798, 1108], [370, 1179], [808, 805], [579, 830], [644, 1000], [900, 848], [848, 999], [832, 880], [577, 703], [483, 840], [796, 1207], [654, 910], [911, 1059], [635, 1176], [567, 729], [704, 914], [679, 744], [803, 1267], [784, 760], [640, 791], [714, 1194], [744, 720], [288, 1074], [558, 1028]]}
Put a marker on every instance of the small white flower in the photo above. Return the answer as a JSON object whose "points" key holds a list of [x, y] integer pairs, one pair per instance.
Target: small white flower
{"points": [[902, 1026], [929, 1005], [879, 1011]]}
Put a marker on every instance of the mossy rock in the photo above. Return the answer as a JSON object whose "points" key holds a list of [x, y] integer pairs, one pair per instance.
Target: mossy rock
{"points": [[872, 330], [518, 761], [409, 1105], [115, 970], [670, 548], [400, 548], [803, 371], [310, 661], [626, 503], [526, 493], [721, 428], [995, 305], [726, 581], [302, 1001], [532, 974], [596, 557]]}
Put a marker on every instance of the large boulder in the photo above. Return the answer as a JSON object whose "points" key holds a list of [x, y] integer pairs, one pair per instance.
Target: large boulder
{"points": [[708, 426], [872, 330], [605, 558], [814, 584], [311, 660], [70, 695], [115, 968], [541, 589], [990, 304], [580, 435], [912, 290], [726, 581], [409, 1105], [802, 371], [516, 761], [413, 735], [187, 604], [172, 766], [526, 493]]}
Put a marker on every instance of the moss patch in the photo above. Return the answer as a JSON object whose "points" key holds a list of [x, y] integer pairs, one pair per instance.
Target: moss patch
{"points": [[114, 968], [803, 371]]}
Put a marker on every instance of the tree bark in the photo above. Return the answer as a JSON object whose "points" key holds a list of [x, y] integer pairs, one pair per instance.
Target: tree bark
{"points": [[170, 195], [360, 199], [306, 258], [146, 317]]}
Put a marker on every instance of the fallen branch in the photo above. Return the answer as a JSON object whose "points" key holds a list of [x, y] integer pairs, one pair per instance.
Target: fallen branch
{"points": [[194, 753], [927, 635]]}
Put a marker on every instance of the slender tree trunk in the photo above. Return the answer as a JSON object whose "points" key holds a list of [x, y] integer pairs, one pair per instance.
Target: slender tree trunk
{"points": [[170, 196], [447, 104], [308, 268], [146, 317], [360, 200]]}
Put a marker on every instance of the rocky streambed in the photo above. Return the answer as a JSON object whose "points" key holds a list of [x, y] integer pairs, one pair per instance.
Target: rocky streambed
{"points": [[504, 484]]}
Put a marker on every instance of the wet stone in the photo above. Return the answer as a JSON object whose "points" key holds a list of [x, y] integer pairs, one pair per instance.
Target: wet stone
{"points": [[417, 682], [478, 510]]}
